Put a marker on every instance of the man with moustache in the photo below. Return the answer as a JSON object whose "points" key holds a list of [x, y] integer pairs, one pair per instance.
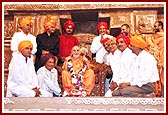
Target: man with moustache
{"points": [[47, 42], [67, 41]]}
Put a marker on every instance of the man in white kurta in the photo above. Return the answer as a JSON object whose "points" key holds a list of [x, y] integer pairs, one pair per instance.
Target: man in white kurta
{"points": [[96, 46], [120, 63], [24, 34], [48, 76], [143, 73], [22, 79]]}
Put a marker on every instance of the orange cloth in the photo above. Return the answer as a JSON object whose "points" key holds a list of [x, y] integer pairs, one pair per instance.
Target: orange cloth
{"points": [[49, 22], [23, 44], [138, 41], [25, 21], [156, 48], [69, 22], [88, 76]]}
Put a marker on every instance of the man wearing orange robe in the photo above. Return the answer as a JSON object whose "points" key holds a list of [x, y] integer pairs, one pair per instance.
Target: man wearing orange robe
{"points": [[76, 74]]}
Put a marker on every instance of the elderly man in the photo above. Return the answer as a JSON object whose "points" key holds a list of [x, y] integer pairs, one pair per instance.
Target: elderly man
{"points": [[47, 42], [24, 34], [77, 77], [143, 73], [22, 79], [67, 41]]}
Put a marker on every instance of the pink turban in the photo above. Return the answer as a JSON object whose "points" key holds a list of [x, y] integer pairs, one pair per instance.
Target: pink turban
{"points": [[102, 24], [25, 21], [125, 38], [49, 22], [69, 22], [23, 44], [105, 40]]}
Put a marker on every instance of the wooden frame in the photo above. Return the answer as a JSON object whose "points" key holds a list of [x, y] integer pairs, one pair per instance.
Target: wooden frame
{"points": [[144, 21]]}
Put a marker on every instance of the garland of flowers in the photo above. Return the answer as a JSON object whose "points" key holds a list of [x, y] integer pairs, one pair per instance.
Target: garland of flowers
{"points": [[77, 79]]}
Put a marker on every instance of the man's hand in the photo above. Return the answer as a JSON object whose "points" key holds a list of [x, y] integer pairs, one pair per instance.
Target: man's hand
{"points": [[122, 85], [113, 85], [38, 93]]}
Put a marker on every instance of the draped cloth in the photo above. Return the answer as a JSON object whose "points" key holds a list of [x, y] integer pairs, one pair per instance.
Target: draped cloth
{"points": [[88, 76], [156, 48]]}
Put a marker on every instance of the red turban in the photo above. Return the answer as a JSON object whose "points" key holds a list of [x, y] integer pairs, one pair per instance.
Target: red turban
{"points": [[102, 24], [69, 22], [49, 22], [125, 38], [105, 40]]}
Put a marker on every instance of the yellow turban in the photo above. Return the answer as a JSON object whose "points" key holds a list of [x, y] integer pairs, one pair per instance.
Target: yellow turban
{"points": [[25, 21], [138, 41], [49, 22], [23, 44]]}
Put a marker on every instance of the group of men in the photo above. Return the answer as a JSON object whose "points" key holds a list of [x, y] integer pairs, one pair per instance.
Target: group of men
{"points": [[134, 69]]}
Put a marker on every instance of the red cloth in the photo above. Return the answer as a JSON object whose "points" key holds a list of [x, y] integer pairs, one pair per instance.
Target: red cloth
{"points": [[125, 38], [66, 44], [102, 24], [105, 40], [69, 22]]}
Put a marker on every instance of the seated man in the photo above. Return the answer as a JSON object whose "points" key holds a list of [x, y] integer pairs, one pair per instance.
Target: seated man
{"points": [[143, 73], [22, 79], [77, 77], [48, 75]]}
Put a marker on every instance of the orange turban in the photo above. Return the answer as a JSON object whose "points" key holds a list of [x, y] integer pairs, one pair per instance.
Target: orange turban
{"points": [[25, 21], [23, 44], [125, 38], [102, 24], [49, 22], [69, 22], [138, 41], [105, 40]]}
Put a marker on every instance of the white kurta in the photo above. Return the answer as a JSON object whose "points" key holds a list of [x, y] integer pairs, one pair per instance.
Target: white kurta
{"points": [[97, 47], [48, 80], [20, 36], [22, 77], [121, 66], [144, 69]]}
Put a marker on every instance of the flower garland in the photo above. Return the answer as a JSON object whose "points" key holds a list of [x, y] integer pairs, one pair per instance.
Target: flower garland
{"points": [[77, 79]]}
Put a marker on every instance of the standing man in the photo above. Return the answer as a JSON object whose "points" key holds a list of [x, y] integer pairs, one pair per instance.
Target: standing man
{"points": [[97, 46], [67, 41], [47, 42], [24, 34]]}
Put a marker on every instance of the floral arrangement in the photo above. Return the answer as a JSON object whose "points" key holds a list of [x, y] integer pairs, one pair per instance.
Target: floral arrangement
{"points": [[77, 79]]}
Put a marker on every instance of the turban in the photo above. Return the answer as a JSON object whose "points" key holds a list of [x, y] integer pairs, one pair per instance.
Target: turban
{"points": [[112, 40], [23, 44], [44, 58], [105, 40], [125, 38], [25, 21], [49, 22], [102, 24], [69, 22], [138, 41]]}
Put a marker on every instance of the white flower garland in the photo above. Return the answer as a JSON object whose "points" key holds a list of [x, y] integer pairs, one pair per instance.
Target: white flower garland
{"points": [[77, 79]]}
